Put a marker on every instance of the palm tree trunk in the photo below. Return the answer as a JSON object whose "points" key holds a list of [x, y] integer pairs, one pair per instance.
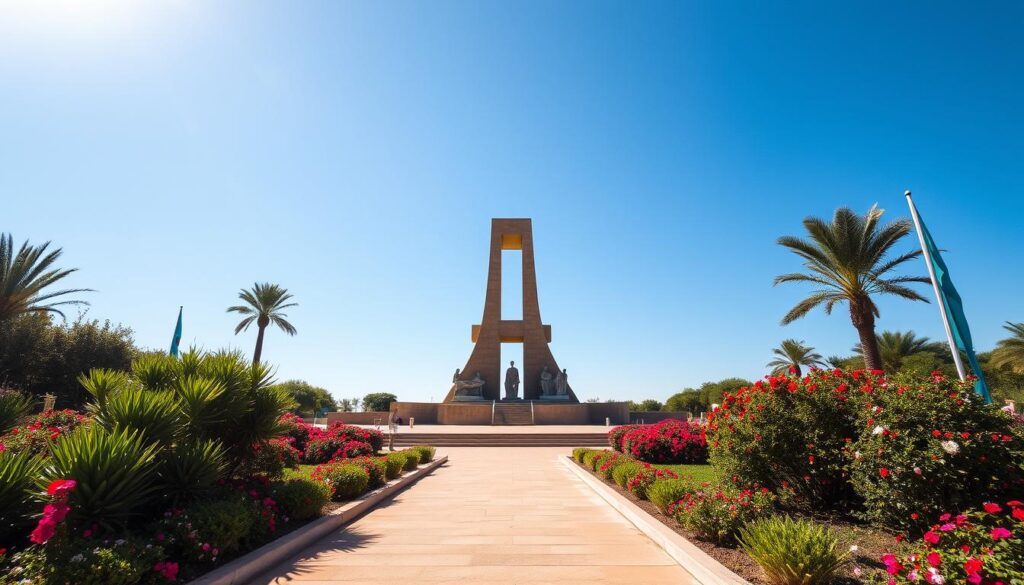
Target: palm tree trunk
{"points": [[259, 346], [863, 318], [799, 373]]}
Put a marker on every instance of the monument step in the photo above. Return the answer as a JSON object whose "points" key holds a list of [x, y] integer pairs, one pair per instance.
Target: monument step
{"points": [[513, 413]]}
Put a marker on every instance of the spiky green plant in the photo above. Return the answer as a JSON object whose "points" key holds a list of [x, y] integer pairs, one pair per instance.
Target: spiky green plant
{"points": [[18, 473], [1009, 352], [264, 304], [102, 384], [154, 414], [793, 354], [190, 469], [115, 471], [155, 372], [847, 260], [14, 406], [26, 277], [793, 552]]}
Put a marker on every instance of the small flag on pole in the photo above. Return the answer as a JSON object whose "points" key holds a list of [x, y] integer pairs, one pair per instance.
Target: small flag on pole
{"points": [[177, 335], [950, 305]]}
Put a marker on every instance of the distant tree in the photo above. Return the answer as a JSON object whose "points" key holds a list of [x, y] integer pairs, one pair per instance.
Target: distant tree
{"points": [[700, 399], [593, 400], [847, 262], [793, 354], [27, 277], [308, 398], [649, 405], [348, 404], [896, 346], [836, 361], [378, 401], [263, 305], [1009, 352], [41, 356]]}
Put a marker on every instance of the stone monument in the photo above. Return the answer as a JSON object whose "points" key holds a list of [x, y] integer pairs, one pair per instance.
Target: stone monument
{"points": [[512, 382], [487, 337]]}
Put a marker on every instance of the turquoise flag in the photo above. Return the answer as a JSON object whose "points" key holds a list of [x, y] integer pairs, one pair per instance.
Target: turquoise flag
{"points": [[177, 335], [954, 307]]}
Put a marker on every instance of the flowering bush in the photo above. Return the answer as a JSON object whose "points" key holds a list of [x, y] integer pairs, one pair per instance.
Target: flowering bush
{"points": [[323, 445], [669, 441], [615, 436], [626, 471], [302, 498], [791, 434], [320, 450], [375, 469], [664, 493], [347, 481], [271, 458], [981, 546], [203, 532], [716, 513], [640, 483], [35, 436], [928, 445], [606, 465], [351, 449], [293, 426], [91, 561], [355, 433]]}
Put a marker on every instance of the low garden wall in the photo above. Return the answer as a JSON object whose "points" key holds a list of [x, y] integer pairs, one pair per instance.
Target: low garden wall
{"points": [[357, 418], [643, 417]]}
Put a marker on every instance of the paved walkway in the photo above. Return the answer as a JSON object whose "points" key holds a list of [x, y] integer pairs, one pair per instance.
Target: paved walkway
{"points": [[490, 515]]}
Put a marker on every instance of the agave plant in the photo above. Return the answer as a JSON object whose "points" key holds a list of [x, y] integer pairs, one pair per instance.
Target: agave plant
{"points": [[14, 406], [18, 472], [793, 552], [102, 384], [191, 469], [115, 471], [154, 414], [26, 277]]}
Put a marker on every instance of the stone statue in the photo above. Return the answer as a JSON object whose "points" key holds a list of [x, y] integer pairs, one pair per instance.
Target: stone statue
{"points": [[512, 382], [547, 382], [469, 388], [455, 378], [562, 383]]}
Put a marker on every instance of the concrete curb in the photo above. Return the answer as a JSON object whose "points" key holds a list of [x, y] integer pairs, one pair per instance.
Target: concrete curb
{"points": [[698, 563], [243, 569]]}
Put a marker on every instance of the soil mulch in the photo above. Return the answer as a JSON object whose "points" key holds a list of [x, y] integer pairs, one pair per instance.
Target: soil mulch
{"points": [[872, 542]]}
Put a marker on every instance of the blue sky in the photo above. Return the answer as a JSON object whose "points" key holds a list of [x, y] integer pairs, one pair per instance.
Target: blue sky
{"points": [[355, 153]]}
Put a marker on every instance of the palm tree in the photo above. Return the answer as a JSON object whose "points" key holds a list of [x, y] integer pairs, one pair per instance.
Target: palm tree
{"points": [[847, 259], [793, 354], [835, 361], [895, 346], [263, 304], [25, 276], [1010, 351]]}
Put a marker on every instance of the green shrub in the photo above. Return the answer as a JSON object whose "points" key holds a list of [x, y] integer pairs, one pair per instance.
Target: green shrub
{"points": [[789, 433], [579, 452], [426, 453], [223, 523], [793, 552], [301, 498], [115, 471], [625, 471], [14, 407], [665, 492], [412, 459], [347, 481], [716, 513], [606, 465], [154, 414], [640, 482], [927, 446], [375, 469], [589, 456], [394, 463], [85, 561], [18, 472], [190, 469]]}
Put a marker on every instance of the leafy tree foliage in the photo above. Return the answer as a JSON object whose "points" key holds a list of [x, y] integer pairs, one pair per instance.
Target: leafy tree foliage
{"points": [[378, 401], [41, 356], [649, 405], [700, 399], [307, 397]]}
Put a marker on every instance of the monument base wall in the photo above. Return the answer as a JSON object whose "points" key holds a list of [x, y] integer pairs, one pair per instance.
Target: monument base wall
{"points": [[479, 413], [356, 418], [645, 417]]}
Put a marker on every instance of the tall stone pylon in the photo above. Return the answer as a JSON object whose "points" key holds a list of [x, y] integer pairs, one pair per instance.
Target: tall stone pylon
{"points": [[511, 234]]}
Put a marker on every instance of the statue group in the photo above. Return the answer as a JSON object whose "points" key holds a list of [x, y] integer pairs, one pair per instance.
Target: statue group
{"points": [[554, 384], [551, 385]]}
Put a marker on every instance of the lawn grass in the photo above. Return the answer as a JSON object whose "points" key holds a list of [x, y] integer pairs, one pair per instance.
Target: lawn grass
{"points": [[698, 472], [301, 472]]}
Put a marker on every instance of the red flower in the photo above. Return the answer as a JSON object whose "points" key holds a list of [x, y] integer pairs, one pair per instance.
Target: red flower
{"points": [[991, 507], [60, 486], [934, 559], [1018, 514], [931, 537], [44, 531], [884, 472], [973, 566]]}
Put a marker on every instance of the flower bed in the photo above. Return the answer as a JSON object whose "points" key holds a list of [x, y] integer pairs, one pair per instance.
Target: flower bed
{"points": [[169, 474], [668, 441]]}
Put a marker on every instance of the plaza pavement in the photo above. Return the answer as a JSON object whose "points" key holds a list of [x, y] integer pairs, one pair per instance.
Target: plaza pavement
{"points": [[490, 515]]}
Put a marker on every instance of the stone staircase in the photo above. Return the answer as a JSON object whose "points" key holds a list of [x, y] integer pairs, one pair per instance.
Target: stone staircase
{"points": [[499, 439], [513, 413]]}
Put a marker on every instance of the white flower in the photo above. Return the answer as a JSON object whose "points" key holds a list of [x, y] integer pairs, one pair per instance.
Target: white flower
{"points": [[77, 558], [857, 455], [878, 430], [857, 571], [913, 576], [854, 548], [950, 447], [935, 577]]}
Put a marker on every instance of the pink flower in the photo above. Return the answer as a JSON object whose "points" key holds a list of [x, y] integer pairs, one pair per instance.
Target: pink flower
{"points": [[999, 533], [948, 527], [44, 531], [57, 510], [931, 537]]}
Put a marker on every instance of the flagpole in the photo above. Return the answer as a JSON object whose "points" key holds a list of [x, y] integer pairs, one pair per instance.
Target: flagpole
{"points": [[938, 295]]}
